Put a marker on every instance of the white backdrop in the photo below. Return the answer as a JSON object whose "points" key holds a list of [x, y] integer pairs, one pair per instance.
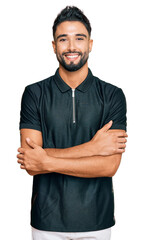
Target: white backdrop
{"points": [[26, 56]]}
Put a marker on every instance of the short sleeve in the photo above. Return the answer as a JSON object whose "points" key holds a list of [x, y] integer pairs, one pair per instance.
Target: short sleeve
{"points": [[29, 114], [117, 110]]}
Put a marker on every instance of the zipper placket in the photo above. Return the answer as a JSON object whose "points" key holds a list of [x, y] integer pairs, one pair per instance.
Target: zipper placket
{"points": [[73, 103]]}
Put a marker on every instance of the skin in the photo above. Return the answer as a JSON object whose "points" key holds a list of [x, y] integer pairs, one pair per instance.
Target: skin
{"points": [[72, 43], [101, 156]]}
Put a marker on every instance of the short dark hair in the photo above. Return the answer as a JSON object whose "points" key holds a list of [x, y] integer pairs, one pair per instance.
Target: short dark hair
{"points": [[71, 13]]}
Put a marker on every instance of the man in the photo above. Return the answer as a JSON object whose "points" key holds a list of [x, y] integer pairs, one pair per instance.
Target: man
{"points": [[73, 134]]}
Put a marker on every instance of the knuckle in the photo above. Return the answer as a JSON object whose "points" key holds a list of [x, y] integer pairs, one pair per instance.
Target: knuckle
{"points": [[26, 166], [112, 134], [114, 149], [123, 146], [121, 150], [115, 139]]}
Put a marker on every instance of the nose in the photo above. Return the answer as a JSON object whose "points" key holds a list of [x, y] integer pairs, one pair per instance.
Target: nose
{"points": [[71, 45]]}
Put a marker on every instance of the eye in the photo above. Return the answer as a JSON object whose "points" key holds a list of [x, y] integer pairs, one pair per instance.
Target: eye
{"points": [[62, 40], [80, 39]]}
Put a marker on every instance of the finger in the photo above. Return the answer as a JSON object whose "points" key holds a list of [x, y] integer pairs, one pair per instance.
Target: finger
{"points": [[20, 150], [122, 145], [20, 156], [122, 140], [20, 161], [122, 134], [22, 167], [31, 143], [121, 150], [107, 126]]}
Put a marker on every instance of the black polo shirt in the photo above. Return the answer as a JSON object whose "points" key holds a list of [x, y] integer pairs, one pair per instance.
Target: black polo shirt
{"points": [[67, 118]]}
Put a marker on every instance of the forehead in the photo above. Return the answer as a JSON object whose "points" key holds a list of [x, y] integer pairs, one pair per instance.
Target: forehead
{"points": [[71, 28]]}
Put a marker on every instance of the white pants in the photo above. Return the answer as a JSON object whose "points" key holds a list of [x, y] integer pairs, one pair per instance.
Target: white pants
{"points": [[49, 235]]}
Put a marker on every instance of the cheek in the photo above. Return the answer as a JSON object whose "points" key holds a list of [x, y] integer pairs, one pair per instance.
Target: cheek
{"points": [[86, 53], [61, 47], [82, 45]]}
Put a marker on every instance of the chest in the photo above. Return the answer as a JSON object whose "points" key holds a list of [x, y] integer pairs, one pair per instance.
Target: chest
{"points": [[72, 108], [70, 118]]}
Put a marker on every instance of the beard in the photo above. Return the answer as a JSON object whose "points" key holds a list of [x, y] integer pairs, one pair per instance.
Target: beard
{"points": [[71, 67]]}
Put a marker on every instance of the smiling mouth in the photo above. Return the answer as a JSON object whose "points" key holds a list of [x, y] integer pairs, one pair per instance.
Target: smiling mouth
{"points": [[72, 57]]}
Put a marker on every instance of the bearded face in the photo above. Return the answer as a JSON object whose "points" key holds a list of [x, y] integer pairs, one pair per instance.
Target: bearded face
{"points": [[72, 45], [72, 61]]}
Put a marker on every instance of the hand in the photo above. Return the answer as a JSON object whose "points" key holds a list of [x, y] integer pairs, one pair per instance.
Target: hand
{"points": [[34, 158], [108, 142]]}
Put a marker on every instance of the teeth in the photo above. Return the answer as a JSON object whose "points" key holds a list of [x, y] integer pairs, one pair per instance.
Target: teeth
{"points": [[74, 56]]}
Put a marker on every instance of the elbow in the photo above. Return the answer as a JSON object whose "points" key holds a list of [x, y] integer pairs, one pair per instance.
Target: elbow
{"points": [[31, 173], [112, 172], [115, 165]]}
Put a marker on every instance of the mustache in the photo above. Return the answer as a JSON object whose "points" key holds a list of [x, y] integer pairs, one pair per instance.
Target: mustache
{"points": [[72, 52]]}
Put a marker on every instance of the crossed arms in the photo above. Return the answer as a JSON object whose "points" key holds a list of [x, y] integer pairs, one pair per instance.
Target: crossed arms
{"points": [[100, 157]]}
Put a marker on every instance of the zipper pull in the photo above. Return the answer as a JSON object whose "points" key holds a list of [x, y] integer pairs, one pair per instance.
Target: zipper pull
{"points": [[73, 101], [73, 92]]}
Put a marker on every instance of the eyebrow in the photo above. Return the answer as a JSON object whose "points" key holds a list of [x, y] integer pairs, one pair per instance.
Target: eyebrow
{"points": [[81, 35], [61, 35], [78, 34]]}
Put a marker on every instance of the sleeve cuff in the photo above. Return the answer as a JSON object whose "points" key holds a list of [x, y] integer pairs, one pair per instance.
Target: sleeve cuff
{"points": [[29, 126], [119, 126]]}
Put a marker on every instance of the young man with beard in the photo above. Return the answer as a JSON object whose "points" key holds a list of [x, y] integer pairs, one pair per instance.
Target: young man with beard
{"points": [[72, 138]]}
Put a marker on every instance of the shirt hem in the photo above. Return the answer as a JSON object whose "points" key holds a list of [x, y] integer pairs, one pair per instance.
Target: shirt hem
{"points": [[59, 229]]}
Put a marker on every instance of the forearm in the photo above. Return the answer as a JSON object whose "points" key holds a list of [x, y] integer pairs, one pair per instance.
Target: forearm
{"points": [[96, 158], [79, 151], [102, 144], [87, 167], [82, 150]]}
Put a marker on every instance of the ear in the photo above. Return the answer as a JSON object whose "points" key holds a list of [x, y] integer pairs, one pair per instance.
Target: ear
{"points": [[90, 45], [54, 46]]}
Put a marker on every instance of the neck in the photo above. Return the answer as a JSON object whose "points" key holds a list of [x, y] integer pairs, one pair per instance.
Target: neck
{"points": [[74, 79]]}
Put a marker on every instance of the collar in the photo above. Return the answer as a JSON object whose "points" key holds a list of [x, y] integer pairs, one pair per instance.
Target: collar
{"points": [[83, 87]]}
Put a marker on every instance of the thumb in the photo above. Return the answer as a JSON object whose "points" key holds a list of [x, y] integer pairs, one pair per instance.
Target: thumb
{"points": [[107, 126], [31, 143]]}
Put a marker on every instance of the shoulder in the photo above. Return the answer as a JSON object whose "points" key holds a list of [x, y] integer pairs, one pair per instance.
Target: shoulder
{"points": [[36, 89], [39, 85], [106, 86], [108, 90]]}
